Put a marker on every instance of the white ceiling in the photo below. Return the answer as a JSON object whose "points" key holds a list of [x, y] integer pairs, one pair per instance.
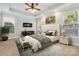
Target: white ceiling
{"points": [[42, 6], [20, 7]]}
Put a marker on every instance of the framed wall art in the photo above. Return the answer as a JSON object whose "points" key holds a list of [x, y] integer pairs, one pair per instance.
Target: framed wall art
{"points": [[50, 20]]}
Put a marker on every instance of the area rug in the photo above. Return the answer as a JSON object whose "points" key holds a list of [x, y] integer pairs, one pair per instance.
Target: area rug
{"points": [[24, 51], [56, 49], [28, 51]]}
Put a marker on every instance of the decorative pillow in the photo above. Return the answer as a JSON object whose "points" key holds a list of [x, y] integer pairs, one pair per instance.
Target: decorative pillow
{"points": [[43, 33], [54, 33], [51, 33]]}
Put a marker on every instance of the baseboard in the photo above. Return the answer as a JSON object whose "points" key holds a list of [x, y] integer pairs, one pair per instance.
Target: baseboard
{"points": [[75, 44]]}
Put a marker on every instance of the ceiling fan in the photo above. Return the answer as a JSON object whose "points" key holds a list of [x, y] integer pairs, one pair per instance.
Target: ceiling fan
{"points": [[32, 6]]}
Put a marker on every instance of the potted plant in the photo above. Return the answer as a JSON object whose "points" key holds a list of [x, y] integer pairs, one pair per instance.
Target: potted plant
{"points": [[4, 32]]}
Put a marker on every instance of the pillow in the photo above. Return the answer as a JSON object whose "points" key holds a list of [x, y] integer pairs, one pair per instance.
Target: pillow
{"points": [[43, 33], [54, 33], [51, 33]]}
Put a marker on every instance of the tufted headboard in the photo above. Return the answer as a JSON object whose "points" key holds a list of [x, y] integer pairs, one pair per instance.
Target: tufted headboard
{"points": [[51, 27]]}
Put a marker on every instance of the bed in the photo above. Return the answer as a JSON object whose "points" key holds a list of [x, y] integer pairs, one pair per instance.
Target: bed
{"points": [[40, 41]]}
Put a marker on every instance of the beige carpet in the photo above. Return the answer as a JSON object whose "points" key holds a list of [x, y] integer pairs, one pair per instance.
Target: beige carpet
{"points": [[59, 50], [8, 48]]}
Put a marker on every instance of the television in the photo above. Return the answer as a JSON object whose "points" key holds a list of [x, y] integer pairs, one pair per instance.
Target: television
{"points": [[27, 24]]}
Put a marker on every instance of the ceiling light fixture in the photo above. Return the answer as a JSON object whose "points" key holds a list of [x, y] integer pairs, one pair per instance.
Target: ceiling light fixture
{"points": [[32, 7]]}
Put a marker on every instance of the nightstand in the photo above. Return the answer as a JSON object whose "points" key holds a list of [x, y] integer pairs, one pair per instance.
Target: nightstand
{"points": [[65, 40]]}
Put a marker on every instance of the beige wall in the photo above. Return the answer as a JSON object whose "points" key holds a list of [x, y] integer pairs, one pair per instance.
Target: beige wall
{"points": [[60, 20]]}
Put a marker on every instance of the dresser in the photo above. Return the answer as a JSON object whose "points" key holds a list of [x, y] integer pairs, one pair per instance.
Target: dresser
{"points": [[25, 33]]}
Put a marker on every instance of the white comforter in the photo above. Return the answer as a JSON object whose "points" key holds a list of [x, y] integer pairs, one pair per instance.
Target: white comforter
{"points": [[33, 42]]}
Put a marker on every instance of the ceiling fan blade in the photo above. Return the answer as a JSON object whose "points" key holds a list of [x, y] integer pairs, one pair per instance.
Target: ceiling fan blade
{"points": [[28, 4], [36, 3], [27, 8], [32, 5], [37, 9]]}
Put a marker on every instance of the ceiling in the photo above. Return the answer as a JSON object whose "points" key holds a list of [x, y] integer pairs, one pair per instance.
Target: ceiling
{"points": [[20, 7]]}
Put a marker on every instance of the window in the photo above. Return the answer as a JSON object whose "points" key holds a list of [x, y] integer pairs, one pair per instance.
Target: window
{"points": [[10, 22], [71, 23], [11, 26]]}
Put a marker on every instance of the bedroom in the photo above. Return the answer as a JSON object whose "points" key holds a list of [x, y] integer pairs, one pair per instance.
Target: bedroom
{"points": [[24, 23]]}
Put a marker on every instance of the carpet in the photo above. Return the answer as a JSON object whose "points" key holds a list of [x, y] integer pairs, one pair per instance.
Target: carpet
{"points": [[56, 49], [27, 51]]}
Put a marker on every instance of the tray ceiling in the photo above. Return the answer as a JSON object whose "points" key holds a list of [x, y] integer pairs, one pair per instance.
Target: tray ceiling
{"points": [[20, 7]]}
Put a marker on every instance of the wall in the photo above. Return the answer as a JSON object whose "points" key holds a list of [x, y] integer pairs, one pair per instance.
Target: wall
{"points": [[0, 19], [58, 20], [19, 18], [18, 25], [74, 39], [78, 19], [59, 14]]}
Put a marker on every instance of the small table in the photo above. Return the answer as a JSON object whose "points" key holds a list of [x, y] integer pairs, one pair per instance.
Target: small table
{"points": [[65, 40]]}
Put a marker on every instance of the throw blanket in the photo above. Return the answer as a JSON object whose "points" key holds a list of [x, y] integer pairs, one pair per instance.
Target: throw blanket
{"points": [[38, 41], [33, 42], [45, 41]]}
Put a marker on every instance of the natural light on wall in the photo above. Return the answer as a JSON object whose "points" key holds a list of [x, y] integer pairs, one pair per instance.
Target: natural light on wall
{"points": [[57, 13], [9, 19]]}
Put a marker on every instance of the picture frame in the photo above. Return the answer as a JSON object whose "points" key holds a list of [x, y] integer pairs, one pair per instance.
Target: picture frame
{"points": [[50, 20], [27, 24]]}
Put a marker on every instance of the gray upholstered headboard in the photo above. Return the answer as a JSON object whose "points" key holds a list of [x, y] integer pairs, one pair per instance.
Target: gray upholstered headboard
{"points": [[47, 27]]}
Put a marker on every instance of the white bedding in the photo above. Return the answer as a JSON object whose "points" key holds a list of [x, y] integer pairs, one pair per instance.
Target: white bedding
{"points": [[35, 43], [52, 38]]}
